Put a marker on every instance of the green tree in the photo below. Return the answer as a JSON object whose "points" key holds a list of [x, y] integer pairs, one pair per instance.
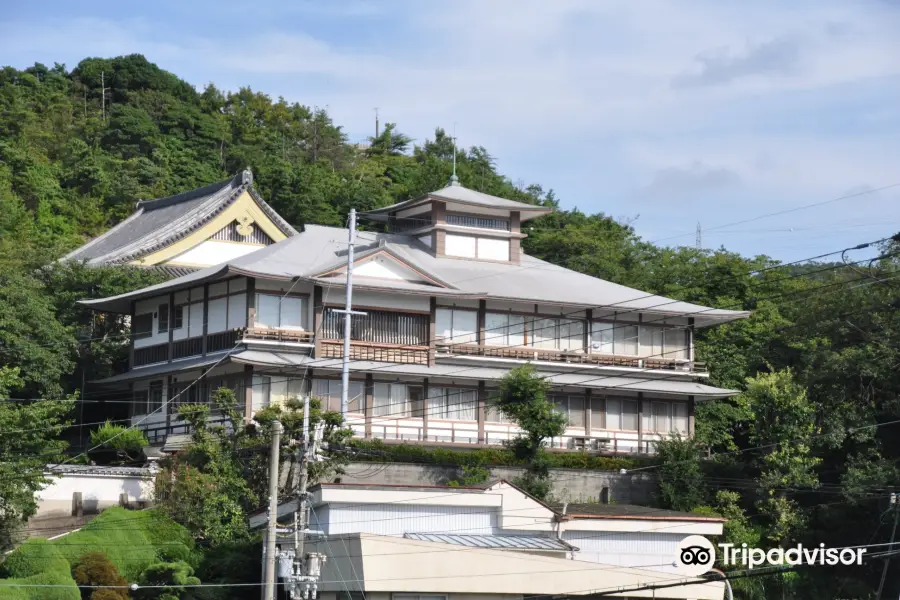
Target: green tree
{"points": [[523, 397], [29, 441], [169, 581], [681, 482]]}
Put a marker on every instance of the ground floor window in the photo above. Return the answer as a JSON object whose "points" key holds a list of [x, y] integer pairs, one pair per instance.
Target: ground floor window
{"points": [[453, 404], [572, 406], [328, 391], [397, 400]]}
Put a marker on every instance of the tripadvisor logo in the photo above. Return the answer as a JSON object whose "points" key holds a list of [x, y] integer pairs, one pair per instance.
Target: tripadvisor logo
{"points": [[696, 555]]}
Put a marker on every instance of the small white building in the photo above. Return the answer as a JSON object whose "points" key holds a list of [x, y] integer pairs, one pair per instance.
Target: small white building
{"points": [[386, 542]]}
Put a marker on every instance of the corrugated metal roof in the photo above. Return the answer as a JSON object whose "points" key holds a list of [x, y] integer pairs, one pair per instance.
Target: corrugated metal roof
{"points": [[502, 542]]}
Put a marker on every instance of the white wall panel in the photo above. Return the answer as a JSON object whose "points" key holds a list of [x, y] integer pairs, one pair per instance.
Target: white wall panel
{"points": [[218, 315], [375, 300], [654, 551], [237, 311], [460, 245], [213, 252], [493, 249], [396, 519]]}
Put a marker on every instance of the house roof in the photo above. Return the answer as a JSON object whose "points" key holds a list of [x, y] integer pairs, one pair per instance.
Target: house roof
{"points": [[158, 223], [317, 249], [662, 385], [627, 511], [462, 195]]}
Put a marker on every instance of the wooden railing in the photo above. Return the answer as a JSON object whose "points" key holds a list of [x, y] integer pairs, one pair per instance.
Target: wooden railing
{"points": [[569, 356], [222, 340], [278, 335], [189, 347], [414, 355], [151, 354]]}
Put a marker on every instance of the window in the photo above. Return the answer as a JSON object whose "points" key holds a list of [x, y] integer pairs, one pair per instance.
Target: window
{"points": [[666, 417], [614, 338], [680, 418], [142, 326], [329, 392], [456, 326], [179, 317], [556, 334], [163, 322], [279, 312], [622, 414], [504, 329], [662, 422], [140, 402], [493, 414], [454, 404], [479, 222], [396, 400], [573, 407], [598, 413], [227, 312], [154, 402], [276, 390]]}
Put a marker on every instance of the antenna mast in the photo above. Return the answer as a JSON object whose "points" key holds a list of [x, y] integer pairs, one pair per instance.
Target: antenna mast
{"points": [[699, 241]]}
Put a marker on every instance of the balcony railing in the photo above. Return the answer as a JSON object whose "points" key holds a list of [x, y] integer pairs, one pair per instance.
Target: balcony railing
{"points": [[222, 340], [278, 335], [188, 347], [149, 355], [568, 356], [376, 352]]}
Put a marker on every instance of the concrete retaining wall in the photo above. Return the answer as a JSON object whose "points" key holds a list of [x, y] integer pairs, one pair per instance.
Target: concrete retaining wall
{"points": [[570, 485]]}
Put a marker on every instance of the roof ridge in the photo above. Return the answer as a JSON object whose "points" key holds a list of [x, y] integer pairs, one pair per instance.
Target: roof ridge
{"points": [[188, 195]]}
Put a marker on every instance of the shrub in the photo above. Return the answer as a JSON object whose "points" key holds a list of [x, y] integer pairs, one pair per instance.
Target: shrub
{"points": [[95, 569], [111, 443]]}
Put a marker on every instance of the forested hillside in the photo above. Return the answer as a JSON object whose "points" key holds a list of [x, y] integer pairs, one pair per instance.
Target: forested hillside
{"points": [[808, 453]]}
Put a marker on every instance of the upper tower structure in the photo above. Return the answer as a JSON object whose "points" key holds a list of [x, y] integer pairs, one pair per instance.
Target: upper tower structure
{"points": [[457, 222]]}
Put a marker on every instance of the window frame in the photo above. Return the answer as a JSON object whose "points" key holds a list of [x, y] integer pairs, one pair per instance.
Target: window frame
{"points": [[163, 323], [142, 334], [645, 333], [451, 341], [447, 406]]}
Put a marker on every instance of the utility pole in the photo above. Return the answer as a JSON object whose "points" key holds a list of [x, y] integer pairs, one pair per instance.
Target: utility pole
{"points": [[895, 508], [303, 524], [348, 312], [271, 530], [699, 241], [376, 122]]}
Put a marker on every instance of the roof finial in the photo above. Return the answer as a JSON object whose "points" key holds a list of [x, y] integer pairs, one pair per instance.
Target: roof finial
{"points": [[454, 180], [247, 177]]}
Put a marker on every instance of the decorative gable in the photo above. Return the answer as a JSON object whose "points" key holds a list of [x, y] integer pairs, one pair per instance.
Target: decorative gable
{"points": [[243, 231], [383, 264]]}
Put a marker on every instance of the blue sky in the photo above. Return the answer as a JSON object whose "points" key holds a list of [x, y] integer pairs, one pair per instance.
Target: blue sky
{"points": [[664, 113]]}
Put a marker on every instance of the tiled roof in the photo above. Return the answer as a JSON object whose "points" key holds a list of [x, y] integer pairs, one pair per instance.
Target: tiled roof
{"points": [[158, 223]]}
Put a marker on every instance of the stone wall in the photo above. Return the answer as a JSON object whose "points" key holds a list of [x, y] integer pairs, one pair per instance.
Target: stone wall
{"points": [[571, 485]]}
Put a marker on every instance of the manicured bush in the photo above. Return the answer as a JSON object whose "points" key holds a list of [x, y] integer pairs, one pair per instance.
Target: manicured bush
{"points": [[378, 451], [131, 540]]}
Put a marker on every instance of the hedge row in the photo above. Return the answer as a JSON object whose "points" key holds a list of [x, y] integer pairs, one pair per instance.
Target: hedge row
{"points": [[378, 451]]}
